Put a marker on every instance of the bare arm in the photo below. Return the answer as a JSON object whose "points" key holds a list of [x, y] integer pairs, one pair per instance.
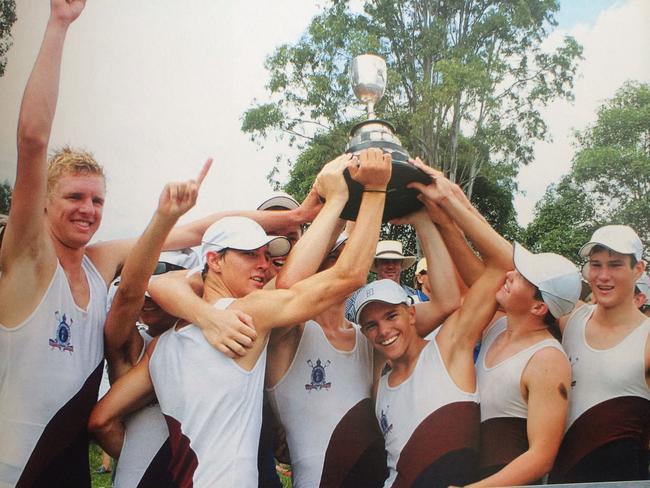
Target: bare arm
{"points": [[279, 308], [123, 343], [27, 256], [229, 331], [132, 391], [547, 378], [445, 293]]}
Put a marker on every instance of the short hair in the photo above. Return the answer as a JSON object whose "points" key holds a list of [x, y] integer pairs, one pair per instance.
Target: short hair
{"points": [[598, 248], [71, 162]]}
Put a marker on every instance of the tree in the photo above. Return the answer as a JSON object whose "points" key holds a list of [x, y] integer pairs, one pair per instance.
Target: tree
{"points": [[609, 182], [7, 19], [5, 197], [466, 72]]}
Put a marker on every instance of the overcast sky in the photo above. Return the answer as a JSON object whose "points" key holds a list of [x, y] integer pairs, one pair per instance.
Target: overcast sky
{"points": [[154, 87]]}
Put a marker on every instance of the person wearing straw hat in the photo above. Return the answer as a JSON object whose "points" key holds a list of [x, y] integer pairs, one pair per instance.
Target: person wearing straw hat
{"points": [[388, 264], [213, 403], [608, 344]]}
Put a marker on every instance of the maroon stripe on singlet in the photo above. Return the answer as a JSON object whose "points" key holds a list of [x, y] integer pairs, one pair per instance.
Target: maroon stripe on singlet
{"points": [[502, 440], [355, 454], [614, 419], [183, 459], [443, 449], [158, 474], [60, 457]]}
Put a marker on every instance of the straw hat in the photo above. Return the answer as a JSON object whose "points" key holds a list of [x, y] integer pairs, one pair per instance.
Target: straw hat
{"points": [[392, 250]]}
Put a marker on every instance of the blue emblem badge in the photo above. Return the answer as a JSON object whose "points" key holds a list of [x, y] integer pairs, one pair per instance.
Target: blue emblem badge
{"points": [[318, 375], [62, 335], [383, 422]]}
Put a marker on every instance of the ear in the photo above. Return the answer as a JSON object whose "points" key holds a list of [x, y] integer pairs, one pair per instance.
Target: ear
{"points": [[411, 312], [215, 260], [639, 299], [539, 309], [639, 268]]}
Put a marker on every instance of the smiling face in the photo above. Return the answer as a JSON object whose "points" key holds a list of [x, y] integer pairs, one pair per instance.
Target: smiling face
{"points": [[388, 269], [243, 272], [74, 208], [517, 293], [389, 328], [612, 277], [293, 233]]}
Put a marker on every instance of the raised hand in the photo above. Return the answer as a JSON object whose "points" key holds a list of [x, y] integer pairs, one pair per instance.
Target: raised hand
{"points": [[310, 206], [374, 169], [438, 190], [411, 218], [330, 182], [178, 198], [66, 11]]}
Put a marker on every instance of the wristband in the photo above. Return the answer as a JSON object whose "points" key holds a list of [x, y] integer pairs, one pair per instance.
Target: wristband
{"points": [[373, 191]]}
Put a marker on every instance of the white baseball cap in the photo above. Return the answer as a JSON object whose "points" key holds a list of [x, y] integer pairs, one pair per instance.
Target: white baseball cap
{"points": [[279, 199], [386, 291], [421, 266], [619, 238], [557, 278], [340, 240], [241, 234], [643, 284]]}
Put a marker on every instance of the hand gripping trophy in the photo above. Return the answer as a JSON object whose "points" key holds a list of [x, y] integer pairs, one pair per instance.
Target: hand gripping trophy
{"points": [[368, 78]]}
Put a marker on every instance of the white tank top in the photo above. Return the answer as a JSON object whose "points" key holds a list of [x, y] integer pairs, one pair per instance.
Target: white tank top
{"points": [[213, 409], [50, 370], [504, 412], [414, 419], [321, 387], [603, 374], [144, 435], [609, 399], [499, 384]]}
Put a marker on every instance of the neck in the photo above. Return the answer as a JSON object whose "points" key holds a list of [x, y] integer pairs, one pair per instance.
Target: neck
{"points": [[524, 325], [333, 318], [70, 258], [404, 365], [624, 313], [214, 289]]}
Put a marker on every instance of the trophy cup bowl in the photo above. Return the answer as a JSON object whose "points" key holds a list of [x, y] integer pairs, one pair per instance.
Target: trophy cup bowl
{"points": [[368, 76]]}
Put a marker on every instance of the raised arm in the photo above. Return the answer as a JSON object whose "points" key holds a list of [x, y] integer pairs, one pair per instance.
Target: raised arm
{"points": [[467, 323], [27, 257], [123, 343], [308, 253], [279, 308]]}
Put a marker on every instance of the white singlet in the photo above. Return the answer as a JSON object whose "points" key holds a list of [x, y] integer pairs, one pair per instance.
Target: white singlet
{"points": [[50, 369], [431, 426], [504, 412], [145, 448], [323, 402], [213, 409], [609, 403]]}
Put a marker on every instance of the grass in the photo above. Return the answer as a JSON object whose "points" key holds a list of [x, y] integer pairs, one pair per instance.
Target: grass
{"points": [[104, 480]]}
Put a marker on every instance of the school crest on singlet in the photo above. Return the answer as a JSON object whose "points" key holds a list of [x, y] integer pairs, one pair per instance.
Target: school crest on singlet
{"points": [[386, 427], [318, 380], [62, 335]]}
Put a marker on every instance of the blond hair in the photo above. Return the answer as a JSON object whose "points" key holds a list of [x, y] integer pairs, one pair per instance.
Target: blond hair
{"points": [[71, 162]]}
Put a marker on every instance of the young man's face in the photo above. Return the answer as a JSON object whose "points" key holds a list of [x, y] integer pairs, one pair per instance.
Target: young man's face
{"points": [[388, 269], [517, 293], [74, 208], [389, 328], [244, 272], [612, 278]]}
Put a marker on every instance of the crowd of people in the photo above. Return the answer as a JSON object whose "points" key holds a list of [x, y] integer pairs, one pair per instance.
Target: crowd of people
{"points": [[241, 333]]}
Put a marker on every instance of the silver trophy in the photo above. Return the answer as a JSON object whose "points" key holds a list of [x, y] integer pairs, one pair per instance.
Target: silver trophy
{"points": [[368, 76]]}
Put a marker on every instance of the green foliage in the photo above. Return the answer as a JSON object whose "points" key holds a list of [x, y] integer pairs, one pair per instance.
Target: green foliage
{"points": [[466, 79], [5, 197], [7, 19], [609, 181]]}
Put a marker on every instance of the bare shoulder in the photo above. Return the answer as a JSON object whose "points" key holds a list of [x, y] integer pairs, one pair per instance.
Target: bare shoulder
{"points": [[109, 256], [549, 365]]}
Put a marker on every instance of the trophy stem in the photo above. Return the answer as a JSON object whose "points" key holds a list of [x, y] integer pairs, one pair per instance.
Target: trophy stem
{"points": [[371, 110]]}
